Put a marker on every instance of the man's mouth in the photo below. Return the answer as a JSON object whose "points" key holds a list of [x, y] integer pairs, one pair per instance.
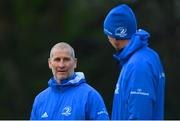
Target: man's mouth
{"points": [[61, 71]]}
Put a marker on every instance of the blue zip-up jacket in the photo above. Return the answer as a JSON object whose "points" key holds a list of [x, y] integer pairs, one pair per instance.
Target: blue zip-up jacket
{"points": [[139, 92], [73, 99]]}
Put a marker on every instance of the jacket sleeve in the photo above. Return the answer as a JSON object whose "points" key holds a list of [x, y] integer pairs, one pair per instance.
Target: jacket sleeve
{"points": [[141, 93], [95, 107], [34, 111]]}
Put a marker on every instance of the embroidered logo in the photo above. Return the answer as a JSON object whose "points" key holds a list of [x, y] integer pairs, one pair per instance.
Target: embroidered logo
{"points": [[66, 111], [162, 75], [117, 89], [121, 31], [139, 92], [45, 115], [103, 111]]}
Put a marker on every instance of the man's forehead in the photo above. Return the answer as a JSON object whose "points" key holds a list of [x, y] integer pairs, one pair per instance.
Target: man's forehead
{"points": [[61, 48], [64, 50], [61, 52]]}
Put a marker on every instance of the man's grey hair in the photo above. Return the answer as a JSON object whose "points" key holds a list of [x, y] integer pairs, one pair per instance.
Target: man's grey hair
{"points": [[63, 45]]}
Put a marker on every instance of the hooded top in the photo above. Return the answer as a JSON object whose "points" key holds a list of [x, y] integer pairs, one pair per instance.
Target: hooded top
{"points": [[73, 99], [120, 23], [139, 92]]}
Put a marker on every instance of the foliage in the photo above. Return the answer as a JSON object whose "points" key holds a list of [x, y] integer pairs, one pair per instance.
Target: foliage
{"points": [[29, 29]]}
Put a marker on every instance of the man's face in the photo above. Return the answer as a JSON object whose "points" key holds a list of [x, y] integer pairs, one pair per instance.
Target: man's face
{"points": [[62, 63], [117, 44]]}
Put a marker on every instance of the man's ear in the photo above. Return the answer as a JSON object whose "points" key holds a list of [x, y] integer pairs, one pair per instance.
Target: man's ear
{"points": [[75, 62], [49, 63]]}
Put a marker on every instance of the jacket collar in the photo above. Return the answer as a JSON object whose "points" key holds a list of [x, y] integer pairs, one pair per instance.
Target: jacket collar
{"points": [[76, 79], [138, 40]]}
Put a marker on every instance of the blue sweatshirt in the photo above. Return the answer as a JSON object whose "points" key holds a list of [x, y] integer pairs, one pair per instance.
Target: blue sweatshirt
{"points": [[73, 99], [139, 92]]}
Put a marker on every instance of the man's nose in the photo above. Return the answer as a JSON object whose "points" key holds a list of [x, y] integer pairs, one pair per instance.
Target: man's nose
{"points": [[61, 63]]}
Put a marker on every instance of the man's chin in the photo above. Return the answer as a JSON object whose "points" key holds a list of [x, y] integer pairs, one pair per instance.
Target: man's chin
{"points": [[61, 77]]}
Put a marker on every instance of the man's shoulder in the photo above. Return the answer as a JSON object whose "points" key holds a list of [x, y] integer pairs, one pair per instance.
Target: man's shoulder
{"points": [[142, 56], [43, 93], [88, 88]]}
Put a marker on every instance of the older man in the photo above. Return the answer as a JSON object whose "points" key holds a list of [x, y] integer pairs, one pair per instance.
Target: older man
{"points": [[68, 96]]}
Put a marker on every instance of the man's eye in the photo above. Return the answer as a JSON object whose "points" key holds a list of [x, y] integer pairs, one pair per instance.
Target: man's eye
{"points": [[66, 59], [57, 59]]}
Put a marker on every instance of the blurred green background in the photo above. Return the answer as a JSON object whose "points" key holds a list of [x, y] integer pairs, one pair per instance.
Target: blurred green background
{"points": [[29, 28]]}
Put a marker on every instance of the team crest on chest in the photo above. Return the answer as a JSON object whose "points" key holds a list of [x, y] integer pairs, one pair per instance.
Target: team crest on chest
{"points": [[66, 111]]}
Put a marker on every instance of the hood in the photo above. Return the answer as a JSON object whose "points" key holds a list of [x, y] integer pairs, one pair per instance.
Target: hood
{"points": [[138, 40], [74, 80]]}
